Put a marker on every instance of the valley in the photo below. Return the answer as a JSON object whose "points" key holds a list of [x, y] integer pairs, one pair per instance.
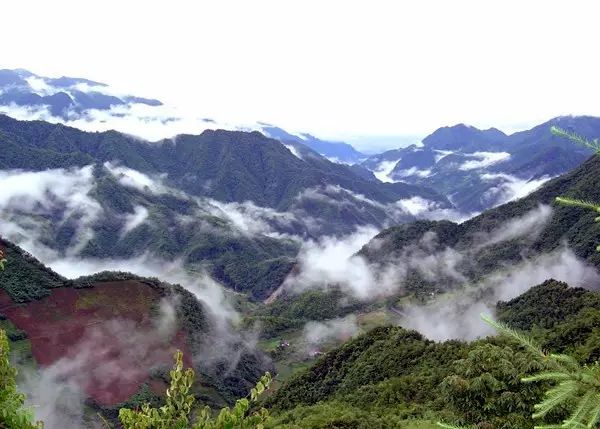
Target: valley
{"points": [[357, 280]]}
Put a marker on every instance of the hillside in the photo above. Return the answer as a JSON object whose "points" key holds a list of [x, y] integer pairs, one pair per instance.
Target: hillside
{"points": [[79, 329], [530, 226], [233, 204], [227, 166], [390, 377]]}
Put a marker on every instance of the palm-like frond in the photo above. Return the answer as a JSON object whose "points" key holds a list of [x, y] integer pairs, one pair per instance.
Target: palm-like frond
{"points": [[574, 137], [576, 386], [524, 340], [578, 203], [447, 426]]}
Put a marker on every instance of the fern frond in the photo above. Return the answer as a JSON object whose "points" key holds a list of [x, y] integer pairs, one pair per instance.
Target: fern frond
{"points": [[555, 397], [576, 138], [583, 409], [547, 376], [578, 203], [595, 413], [447, 426], [524, 340]]}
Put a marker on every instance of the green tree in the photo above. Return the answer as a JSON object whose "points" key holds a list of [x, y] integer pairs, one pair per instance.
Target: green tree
{"points": [[575, 387], [178, 412], [12, 413]]}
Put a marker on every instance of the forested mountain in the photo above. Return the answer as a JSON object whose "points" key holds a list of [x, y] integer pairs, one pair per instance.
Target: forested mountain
{"points": [[504, 235], [233, 203], [478, 169], [392, 377]]}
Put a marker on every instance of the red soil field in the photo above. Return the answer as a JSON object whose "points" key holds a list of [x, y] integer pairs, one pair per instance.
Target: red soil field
{"points": [[101, 338]]}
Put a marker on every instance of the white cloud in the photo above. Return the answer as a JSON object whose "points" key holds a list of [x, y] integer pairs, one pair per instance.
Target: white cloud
{"points": [[383, 170], [483, 160], [135, 219], [28, 195], [293, 150], [509, 188], [135, 179], [458, 316], [413, 171], [316, 334]]}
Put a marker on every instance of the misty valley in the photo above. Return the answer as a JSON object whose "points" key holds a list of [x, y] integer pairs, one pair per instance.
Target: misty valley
{"points": [[452, 282]]}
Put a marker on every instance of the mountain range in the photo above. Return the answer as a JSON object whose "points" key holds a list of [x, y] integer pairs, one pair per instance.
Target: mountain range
{"points": [[358, 280]]}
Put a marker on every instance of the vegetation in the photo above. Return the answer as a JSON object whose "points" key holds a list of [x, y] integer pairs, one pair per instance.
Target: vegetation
{"points": [[178, 411], [12, 413]]}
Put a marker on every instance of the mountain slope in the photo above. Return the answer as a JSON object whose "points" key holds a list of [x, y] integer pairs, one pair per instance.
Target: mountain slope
{"points": [[78, 328], [544, 230], [390, 375], [225, 165], [334, 151]]}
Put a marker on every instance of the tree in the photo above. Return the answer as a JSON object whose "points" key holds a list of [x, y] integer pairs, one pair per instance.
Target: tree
{"points": [[177, 413], [576, 387], [12, 413]]}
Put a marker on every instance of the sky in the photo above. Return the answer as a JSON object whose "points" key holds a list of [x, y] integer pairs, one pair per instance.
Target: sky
{"points": [[363, 71]]}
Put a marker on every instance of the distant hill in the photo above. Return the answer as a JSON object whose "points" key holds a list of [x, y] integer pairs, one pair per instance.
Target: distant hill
{"points": [[334, 151], [64, 96], [478, 169]]}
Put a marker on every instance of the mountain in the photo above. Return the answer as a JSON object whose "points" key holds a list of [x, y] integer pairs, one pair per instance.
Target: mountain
{"points": [[80, 330], [339, 152], [93, 105], [506, 235], [64, 96], [235, 204], [479, 169], [393, 377]]}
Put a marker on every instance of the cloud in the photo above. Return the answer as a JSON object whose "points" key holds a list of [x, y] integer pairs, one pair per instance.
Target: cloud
{"points": [[412, 171], [383, 171], [135, 219], [457, 316], [529, 225], [151, 123], [250, 219], [316, 334], [294, 151], [331, 261], [136, 179], [31, 201], [483, 160], [508, 188]]}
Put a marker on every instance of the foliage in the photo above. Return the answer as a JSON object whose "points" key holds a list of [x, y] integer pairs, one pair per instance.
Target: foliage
{"points": [[546, 305], [12, 414], [581, 203], [179, 407], [25, 278], [574, 137], [576, 387]]}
